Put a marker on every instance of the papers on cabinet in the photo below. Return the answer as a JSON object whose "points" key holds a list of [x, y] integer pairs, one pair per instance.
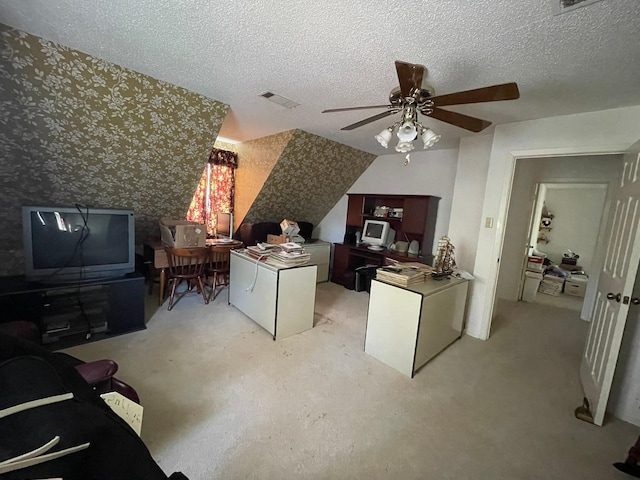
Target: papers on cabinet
{"points": [[404, 273]]}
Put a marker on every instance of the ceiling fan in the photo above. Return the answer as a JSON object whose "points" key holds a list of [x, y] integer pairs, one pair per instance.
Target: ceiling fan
{"points": [[412, 97]]}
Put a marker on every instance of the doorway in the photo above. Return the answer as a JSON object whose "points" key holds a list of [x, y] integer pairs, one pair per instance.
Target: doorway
{"points": [[587, 170], [564, 231], [554, 181]]}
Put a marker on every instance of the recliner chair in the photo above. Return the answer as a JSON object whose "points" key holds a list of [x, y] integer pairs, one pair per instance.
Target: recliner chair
{"points": [[98, 374], [55, 425]]}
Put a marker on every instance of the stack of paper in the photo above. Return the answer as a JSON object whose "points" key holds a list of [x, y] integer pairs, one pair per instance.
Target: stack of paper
{"points": [[256, 252], [284, 259], [291, 247], [404, 274]]}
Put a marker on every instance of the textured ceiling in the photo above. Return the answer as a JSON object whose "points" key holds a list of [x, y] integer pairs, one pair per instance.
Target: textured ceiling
{"points": [[334, 53]]}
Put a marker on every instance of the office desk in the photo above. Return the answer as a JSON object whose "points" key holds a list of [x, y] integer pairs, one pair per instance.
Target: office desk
{"points": [[348, 257], [408, 326], [280, 300], [154, 252]]}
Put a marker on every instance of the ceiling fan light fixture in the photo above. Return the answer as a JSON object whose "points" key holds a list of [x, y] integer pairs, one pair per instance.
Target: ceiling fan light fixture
{"points": [[407, 132], [384, 137], [413, 98], [404, 147], [429, 138]]}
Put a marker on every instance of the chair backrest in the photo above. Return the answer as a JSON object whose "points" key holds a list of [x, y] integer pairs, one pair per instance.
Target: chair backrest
{"points": [[187, 262], [220, 257]]}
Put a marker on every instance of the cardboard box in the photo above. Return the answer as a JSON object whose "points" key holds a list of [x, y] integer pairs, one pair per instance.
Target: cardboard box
{"points": [[576, 286], [289, 227], [180, 233], [535, 264], [277, 239], [551, 285]]}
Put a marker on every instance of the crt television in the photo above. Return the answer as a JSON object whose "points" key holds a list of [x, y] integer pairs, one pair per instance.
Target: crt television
{"points": [[378, 232], [72, 244]]}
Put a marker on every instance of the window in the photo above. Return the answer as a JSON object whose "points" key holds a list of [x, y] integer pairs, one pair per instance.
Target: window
{"points": [[214, 193]]}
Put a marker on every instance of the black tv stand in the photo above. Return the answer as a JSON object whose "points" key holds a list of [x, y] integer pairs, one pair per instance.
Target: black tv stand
{"points": [[74, 313]]}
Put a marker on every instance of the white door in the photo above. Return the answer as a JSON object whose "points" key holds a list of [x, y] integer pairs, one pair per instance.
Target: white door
{"points": [[615, 286], [534, 226]]}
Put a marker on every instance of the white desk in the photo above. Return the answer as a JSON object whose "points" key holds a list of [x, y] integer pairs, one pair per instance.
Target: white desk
{"points": [[408, 326], [280, 300]]}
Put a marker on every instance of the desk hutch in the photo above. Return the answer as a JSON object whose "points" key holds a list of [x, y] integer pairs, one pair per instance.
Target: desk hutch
{"points": [[417, 223]]}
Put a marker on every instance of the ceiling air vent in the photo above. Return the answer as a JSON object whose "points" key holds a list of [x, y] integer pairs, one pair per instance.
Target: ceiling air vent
{"points": [[562, 6], [285, 102]]}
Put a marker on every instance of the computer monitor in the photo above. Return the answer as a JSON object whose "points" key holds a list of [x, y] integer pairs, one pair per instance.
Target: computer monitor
{"points": [[224, 225], [378, 232]]}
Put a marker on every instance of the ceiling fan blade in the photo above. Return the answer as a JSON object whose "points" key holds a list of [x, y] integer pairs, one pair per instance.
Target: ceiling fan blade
{"points": [[353, 108], [459, 120], [410, 76], [368, 120], [506, 91]]}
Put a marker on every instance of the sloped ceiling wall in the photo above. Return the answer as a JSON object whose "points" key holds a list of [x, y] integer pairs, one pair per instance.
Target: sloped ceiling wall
{"points": [[256, 159], [77, 129], [308, 179]]}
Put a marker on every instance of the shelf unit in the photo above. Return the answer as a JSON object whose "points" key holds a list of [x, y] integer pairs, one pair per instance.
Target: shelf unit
{"points": [[67, 314], [417, 222]]}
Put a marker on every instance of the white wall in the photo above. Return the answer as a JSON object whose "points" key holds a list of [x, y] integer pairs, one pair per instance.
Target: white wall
{"points": [[332, 227], [607, 131], [528, 172], [430, 172], [466, 209], [577, 214]]}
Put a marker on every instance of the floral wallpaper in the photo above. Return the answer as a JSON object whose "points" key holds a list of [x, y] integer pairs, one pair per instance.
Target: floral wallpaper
{"points": [[308, 179], [77, 129]]}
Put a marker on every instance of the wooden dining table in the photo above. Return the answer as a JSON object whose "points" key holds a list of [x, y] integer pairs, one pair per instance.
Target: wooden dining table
{"points": [[154, 250]]}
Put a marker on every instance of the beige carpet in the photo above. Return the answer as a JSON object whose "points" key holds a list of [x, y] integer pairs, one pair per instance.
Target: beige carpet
{"points": [[224, 401]]}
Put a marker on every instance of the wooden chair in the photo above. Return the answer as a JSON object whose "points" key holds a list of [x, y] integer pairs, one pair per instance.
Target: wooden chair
{"points": [[188, 264], [219, 263]]}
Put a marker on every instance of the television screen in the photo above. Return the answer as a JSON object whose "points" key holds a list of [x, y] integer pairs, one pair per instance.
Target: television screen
{"points": [[76, 243]]}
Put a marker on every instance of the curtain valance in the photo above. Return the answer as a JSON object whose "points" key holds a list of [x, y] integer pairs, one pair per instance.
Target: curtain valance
{"points": [[224, 158]]}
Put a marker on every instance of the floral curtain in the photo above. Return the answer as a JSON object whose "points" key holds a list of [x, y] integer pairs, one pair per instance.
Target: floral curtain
{"points": [[214, 193]]}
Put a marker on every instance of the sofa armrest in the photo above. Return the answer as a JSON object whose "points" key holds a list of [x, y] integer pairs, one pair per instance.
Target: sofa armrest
{"points": [[98, 371]]}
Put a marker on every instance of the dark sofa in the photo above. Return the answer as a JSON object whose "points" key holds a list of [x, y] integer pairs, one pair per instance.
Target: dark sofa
{"points": [[252, 233], [30, 373]]}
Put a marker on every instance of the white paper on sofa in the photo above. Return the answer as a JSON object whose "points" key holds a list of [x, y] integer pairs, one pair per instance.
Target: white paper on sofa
{"points": [[127, 409]]}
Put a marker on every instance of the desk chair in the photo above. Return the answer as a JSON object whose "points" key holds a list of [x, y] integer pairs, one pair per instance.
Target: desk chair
{"points": [[187, 264], [218, 268]]}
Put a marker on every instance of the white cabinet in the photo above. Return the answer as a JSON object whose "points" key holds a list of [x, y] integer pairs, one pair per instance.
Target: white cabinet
{"points": [[321, 256], [280, 300], [408, 326]]}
